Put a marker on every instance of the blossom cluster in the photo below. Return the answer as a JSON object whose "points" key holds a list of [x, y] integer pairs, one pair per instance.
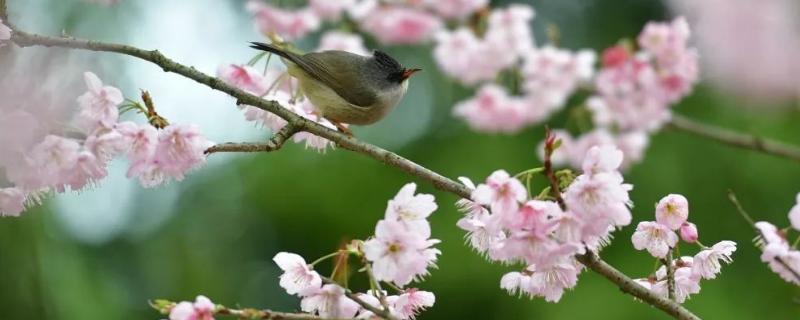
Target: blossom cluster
{"points": [[400, 252], [633, 91], [406, 22], [59, 162], [547, 75], [507, 226], [659, 238], [780, 256]]}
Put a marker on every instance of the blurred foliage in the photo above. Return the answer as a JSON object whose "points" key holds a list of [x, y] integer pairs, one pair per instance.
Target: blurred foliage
{"points": [[232, 217]]}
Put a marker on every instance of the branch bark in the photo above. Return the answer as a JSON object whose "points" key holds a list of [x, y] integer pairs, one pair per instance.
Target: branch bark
{"points": [[383, 313], [735, 139], [274, 143], [591, 260]]}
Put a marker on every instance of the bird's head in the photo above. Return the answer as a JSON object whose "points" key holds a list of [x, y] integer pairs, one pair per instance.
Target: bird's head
{"points": [[394, 71]]}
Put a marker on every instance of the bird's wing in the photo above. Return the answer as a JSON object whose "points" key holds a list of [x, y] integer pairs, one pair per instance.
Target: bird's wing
{"points": [[340, 71]]}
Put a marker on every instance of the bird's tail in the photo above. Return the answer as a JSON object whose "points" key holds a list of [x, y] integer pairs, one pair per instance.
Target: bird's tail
{"points": [[274, 49]]}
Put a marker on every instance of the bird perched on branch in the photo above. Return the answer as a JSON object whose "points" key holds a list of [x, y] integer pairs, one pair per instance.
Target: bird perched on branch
{"points": [[345, 87]]}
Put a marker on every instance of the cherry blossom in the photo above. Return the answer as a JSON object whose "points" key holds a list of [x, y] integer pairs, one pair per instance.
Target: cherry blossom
{"points": [[98, 106], [337, 40], [329, 302], [502, 192], [686, 284], [329, 9], [201, 309], [181, 148], [297, 277], [456, 9], [244, 77], [551, 75], [398, 254], [411, 302], [672, 211], [288, 24], [493, 110], [656, 238], [706, 263], [412, 209], [400, 25], [794, 214], [12, 202]]}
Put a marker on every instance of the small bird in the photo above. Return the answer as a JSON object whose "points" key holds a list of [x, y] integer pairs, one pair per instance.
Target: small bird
{"points": [[345, 87]]}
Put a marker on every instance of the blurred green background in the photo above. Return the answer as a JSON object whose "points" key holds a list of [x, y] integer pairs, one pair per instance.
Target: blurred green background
{"points": [[218, 234]]}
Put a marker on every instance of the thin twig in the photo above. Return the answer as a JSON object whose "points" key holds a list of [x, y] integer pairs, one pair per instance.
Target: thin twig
{"points": [[165, 307], [735, 139], [746, 216], [670, 275], [274, 143], [592, 261], [549, 148], [440, 182], [383, 313]]}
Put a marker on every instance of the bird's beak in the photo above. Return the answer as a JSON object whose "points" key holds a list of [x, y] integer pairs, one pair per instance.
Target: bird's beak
{"points": [[409, 72]]}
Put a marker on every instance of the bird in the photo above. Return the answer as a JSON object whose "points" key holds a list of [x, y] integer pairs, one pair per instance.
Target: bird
{"points": [[345, 87]]}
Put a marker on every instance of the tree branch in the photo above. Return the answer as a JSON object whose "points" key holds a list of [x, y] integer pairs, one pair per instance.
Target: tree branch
{"points": [[165, 307], [592, 261], [440, 182], [274, 143], [735, 139]]}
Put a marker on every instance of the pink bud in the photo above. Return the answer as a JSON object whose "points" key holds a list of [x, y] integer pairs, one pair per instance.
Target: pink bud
{"points": [[689, 232], [615, 56]]}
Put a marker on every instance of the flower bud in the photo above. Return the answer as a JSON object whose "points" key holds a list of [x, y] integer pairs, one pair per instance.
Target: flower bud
{"points": [[689, 232]]}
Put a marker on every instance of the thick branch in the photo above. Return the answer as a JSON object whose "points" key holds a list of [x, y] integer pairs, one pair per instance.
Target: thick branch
{"points": [[440, 182], [593, 262], [274, 143], [735, 139]]}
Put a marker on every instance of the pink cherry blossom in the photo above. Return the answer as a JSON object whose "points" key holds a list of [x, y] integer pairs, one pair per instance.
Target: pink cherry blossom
{"points": [[329, 302], [502, 192], [180, 148], [602, 159], [686, 284], [337, 40], [706, 263], [143, 141], [794, 214], [510, 28], [329, 9], [290, 25], [461, 55], [492, 110], [5, 32], [88, 170], [655, 237], [548, 282], [688, 232], [551, 75], [107, 143], [54, 159], [517, 282], [98, 106], [297, 277], [601, 201], [201, 309], [412, 302], [615, 56], [311, 140], [412, 210], [672, 211], [398, 254], [12, 202], [244, 77], [456, 9], [400, 25]]}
